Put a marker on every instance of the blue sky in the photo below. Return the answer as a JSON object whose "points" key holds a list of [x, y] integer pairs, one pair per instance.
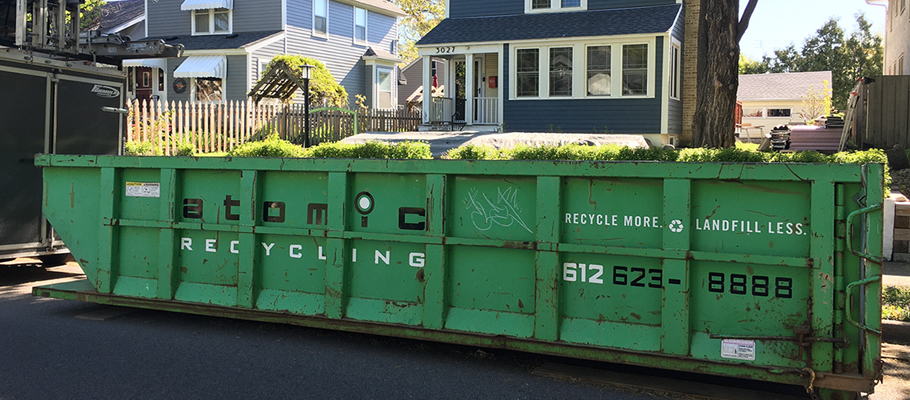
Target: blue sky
{"points": [[778, 23]]}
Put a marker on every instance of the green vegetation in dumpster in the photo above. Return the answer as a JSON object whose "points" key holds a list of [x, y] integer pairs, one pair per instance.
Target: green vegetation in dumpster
{"points": [[376, 150]]}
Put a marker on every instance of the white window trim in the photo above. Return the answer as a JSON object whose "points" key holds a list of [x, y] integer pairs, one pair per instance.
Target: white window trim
{"points": [[670, 81], [392, 101], [555, 6], [366, 27], [579, 91], [314, 32], [192, 84], [211, 31]]}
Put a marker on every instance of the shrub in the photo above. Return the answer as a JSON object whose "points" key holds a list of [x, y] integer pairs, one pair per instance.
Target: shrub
{"points": [[323, 88], [133, 148], [185, 149], [896, 303], [272, 146]]}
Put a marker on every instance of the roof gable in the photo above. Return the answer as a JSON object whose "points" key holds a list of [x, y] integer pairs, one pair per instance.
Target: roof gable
{"points": [[786, 86], [115, 14]]}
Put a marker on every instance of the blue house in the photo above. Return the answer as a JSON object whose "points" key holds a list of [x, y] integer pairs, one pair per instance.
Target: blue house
{"points": [[228, 43], [586, 66]]}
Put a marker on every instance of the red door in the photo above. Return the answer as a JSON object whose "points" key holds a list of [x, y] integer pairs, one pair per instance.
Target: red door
{"points": [[144, 83]]}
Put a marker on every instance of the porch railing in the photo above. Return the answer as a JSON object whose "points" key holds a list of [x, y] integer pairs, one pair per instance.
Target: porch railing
{"points": [[441, 110], [486, 110]]}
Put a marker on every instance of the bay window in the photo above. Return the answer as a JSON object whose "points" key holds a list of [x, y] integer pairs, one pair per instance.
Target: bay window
{"points": [[592, 69]]}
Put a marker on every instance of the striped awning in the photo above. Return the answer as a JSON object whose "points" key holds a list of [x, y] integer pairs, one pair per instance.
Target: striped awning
{"points": [[202, 67], [146, 62], [206, 4]]}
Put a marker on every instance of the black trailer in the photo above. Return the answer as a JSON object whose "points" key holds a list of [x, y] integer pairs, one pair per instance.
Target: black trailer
{"points": [[48, 106]]}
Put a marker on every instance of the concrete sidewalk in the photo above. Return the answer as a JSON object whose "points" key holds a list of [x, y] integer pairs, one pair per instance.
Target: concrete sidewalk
{"points": [[896, 346]]}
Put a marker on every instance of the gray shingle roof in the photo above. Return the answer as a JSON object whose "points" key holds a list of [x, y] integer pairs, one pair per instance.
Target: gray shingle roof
{"points": [[791, 85], [117, 13], [625, 21], [218, 42]]}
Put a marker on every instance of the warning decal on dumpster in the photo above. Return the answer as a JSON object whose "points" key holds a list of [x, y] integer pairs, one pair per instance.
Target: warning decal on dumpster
{"points": [[143, 189], [738, 349]]}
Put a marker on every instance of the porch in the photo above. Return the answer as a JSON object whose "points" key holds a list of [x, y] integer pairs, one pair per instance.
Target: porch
{"points": [[473, 99]]}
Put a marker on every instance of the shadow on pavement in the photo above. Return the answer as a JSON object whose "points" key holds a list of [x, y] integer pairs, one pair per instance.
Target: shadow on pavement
{"points": [[17, 274]]}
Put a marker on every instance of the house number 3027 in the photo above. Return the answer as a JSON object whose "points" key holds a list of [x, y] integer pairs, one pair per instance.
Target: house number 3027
{"points": [[445, 50]]}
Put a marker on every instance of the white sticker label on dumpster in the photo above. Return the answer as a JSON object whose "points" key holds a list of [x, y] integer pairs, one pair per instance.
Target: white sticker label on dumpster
{"points": [[143, 189], [738, 349]]}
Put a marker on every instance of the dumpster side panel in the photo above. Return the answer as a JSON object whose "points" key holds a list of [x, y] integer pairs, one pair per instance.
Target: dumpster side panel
{"points": [[744, 268], [72, 199]]}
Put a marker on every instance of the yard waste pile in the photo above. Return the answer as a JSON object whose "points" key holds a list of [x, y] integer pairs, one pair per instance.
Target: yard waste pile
{"points": [[768, 271]]}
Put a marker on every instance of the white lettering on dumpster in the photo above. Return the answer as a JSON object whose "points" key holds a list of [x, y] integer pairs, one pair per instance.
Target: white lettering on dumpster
{"points": [[748, 227], [296, 251], [636, 221]]}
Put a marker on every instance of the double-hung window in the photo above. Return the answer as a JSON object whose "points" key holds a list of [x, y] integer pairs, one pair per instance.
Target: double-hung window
{"points": [[674, 71], [560, 71], [536, 6], [635, 69], [527, 71], [360, 25], [599, 80], [321, 17], [384, 87], [211, 21]]}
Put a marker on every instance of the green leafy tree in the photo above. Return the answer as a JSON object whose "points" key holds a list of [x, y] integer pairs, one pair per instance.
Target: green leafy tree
{"points": [[816, 102], [830, 49], [324, 90], [90, 15], [748, 66], [865, 51], [422, 16]]}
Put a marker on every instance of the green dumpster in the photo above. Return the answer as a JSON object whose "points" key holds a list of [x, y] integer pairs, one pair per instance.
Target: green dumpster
{"points": [[762, 271]]}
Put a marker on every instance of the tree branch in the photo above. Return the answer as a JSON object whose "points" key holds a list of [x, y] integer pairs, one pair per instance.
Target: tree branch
{"points": [[744, 22]]}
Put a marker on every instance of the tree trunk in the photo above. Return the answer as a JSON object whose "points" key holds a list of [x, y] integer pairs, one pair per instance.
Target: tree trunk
{"points": [[718, 58]]}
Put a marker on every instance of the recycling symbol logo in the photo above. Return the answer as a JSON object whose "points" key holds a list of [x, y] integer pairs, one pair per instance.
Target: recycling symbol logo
{"points": [[676, 226]]}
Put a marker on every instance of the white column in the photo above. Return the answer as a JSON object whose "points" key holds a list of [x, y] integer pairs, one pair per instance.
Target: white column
{"points": [[469, 89], [427, 80]]}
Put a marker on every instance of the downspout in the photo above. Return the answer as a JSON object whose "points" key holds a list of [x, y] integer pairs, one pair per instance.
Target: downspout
{"points": [[887, 18]]}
